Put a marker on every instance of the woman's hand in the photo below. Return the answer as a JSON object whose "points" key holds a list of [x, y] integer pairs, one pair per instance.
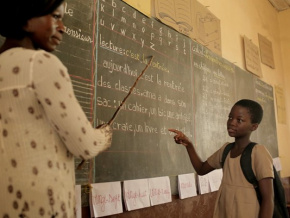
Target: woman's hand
{"points": [[180, 138]]}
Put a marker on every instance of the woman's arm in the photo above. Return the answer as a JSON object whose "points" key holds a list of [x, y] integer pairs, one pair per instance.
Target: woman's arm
{"points": [[53, 89]]}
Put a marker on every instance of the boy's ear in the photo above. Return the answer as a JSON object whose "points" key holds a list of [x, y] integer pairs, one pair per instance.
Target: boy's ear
{"points": [[255, 126]]}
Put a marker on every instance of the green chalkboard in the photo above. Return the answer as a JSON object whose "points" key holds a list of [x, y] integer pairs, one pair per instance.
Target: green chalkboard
{"points": [[77, 53], [142, 146], [214, 96], [77, 50], [266, 133], [218, 84]]}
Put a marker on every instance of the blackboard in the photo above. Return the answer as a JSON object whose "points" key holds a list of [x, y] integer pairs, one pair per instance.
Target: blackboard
{"points": [[218, 84], [77, 53], [76, 50], [142, 146], [266, 133], [214, 96]]}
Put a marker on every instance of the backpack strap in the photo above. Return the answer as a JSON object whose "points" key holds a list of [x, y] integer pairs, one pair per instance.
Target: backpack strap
{"points": [[246, 165], [227, 149], [280, 209]]}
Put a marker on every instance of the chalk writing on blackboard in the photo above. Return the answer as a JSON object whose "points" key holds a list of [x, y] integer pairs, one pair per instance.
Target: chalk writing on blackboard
{"points": [[214, 96], [159, 101]]}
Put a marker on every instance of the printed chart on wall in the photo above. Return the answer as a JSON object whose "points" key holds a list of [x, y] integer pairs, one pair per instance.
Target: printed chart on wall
{"points": [[142, 146]]}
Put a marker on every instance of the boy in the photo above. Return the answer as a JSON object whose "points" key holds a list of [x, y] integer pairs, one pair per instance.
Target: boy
{"points": [[236, 196]]}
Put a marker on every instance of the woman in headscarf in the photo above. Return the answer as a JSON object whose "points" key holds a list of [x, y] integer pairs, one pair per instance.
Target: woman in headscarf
{"points": [[42, 125]]}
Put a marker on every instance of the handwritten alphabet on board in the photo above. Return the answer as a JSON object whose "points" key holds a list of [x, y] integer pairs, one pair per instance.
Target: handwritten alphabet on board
{"points": [[160, 100]]}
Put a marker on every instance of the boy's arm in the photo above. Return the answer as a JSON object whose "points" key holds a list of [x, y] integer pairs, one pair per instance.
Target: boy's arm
{"points": [[200, 167], [267, 196]]}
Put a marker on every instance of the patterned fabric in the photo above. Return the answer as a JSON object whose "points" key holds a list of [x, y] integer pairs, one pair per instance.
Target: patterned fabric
{"points": [[42, 127]]}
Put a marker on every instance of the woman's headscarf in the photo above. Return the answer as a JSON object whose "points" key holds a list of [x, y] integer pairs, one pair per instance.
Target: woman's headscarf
{"points": [[14, 14]]}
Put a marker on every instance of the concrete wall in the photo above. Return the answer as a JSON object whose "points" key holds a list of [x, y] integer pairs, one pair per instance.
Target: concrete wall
{"points": [[248, 18]]}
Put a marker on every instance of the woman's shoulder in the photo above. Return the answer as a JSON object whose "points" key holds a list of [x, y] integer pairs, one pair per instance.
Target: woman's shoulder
{"points": [[41, 55], [19, 52]]}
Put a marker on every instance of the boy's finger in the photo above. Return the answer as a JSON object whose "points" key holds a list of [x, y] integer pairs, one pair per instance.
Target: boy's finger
{"points": [[174, 130]]}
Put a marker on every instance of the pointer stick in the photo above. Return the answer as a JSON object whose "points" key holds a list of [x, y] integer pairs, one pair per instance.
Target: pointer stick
{"points": [[131, 89], [118, 109]]}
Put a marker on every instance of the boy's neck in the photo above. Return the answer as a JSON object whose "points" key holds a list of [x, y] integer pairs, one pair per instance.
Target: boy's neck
{"points": [[241, 143], [239, 147]]}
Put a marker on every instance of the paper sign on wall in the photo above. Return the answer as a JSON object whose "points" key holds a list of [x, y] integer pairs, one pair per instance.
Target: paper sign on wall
{"points": [[136, 194], [186, 185], [215, 179], [203, 184], [277, 164], [266, 51], [190, 18], [252, 57], [160, 191], [106, 199], [280, 104]]}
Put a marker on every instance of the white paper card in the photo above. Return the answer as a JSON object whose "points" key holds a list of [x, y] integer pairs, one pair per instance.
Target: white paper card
{"points": [[203, 184], [186, 185], [106, 199], [160, 191], [215, 179], [277, 164], [136, 194], [78, 195]]}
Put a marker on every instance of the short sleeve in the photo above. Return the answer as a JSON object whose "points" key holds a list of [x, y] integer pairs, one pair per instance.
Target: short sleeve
{"points": [[215, 159], [262, 162]]}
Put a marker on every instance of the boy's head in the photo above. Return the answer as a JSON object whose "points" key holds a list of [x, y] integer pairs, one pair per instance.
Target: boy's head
{"points": [[254, 108]]}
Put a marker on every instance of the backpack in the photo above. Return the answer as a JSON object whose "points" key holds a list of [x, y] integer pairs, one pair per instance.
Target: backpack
{"points": [[280, 208]]}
